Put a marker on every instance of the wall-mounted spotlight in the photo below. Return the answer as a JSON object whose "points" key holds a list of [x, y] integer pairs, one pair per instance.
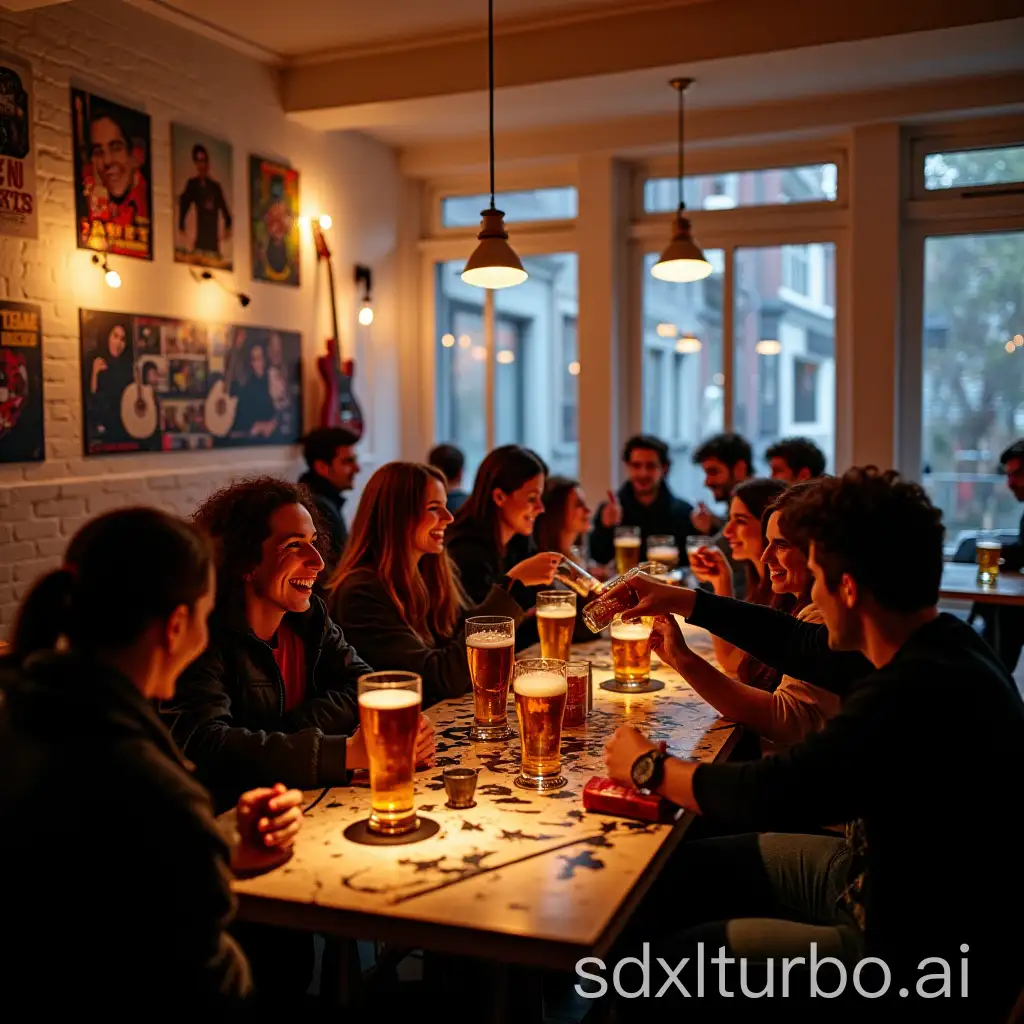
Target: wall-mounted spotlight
{"points": [[205, 275], [365, 278], [112, 277]]}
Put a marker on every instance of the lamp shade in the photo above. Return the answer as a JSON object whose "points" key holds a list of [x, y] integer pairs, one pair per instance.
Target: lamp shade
{"points": [[493, 263], [682, 260]]}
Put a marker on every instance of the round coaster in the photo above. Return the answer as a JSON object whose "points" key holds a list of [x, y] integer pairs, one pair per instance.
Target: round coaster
{"points": [[555, 782], [649, 687], [359, 832]]}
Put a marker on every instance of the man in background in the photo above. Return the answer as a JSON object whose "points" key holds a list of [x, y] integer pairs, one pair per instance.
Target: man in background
{"points": [[644, 500], [207, 196], [727, 461], [333, 465], [795, 459], [450, 461]]}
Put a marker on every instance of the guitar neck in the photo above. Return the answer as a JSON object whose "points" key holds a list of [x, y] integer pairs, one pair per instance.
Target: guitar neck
{"points": [[334, 312]]}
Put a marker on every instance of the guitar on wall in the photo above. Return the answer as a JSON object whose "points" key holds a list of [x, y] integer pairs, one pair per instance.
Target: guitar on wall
{"points": [[138, 403], [221, 406], [340, 408]]}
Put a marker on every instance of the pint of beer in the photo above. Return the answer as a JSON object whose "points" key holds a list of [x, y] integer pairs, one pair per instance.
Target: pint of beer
{"points": [[389, 715], [541, 688], [662, 548], [490, 647], [989, 551], [556, 620], [627, 548], [631, 651]]}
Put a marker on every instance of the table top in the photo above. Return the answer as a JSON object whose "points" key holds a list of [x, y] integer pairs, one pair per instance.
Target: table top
{"points": [[528, 878], [960, 583]]}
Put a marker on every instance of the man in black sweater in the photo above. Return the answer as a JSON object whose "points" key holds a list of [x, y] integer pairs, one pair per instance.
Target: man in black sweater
{"points": [[644, 500], [330, 455], [923, 764]]}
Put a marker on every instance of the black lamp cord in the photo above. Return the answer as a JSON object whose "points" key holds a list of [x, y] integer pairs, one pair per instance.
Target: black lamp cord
{"points": [[682, 205], [490, 85]]}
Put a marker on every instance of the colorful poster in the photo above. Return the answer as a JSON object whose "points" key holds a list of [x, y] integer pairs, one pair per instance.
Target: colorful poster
{"points": [[274, 205], [18, 198], [203, 193], [113, 186], [21, 383], [154, 383]]}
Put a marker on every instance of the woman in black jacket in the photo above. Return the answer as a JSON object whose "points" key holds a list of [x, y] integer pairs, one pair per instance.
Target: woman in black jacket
{"points": [[116, 846], [395, 587]]}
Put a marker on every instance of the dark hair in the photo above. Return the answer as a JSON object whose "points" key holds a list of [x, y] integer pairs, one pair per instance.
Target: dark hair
{"points": [[448, 459], [237, 519], [322, 444], [547, 531], [757, 495], [197, 149], [1015, 451], [798, 453], [864, 523], [122, 571], [792, 529], [728, 449], [103, 339], [118, 118], [650, 443], [506, 468]]}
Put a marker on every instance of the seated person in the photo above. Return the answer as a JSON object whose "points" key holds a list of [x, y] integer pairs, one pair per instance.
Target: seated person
{"points": [[491, 540], [396, 589], [332, 465], [910, 881], [95, 792], [451, 462], [274, 695], [794, 460]]}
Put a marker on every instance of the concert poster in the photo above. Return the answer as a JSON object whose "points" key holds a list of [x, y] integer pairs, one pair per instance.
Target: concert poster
{"points": [[113, 183], [18, 195], [274, 206], [202, 185], [159, 384], [21, 383]]}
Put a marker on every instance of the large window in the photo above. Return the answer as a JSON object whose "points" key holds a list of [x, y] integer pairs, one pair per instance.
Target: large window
{"points": [[970, 168], [972, 375], [535, 205], [784, 346], [682, 367]]}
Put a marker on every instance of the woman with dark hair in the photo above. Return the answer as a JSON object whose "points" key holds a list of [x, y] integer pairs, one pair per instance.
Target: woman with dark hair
{"points": [[747, 541], [565, 518], [256, 415], [396, 589], [97, 785], [107, 374]]}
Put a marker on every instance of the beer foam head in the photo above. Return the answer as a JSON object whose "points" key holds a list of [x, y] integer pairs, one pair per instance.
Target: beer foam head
{"points": [[989, 545], [662, 551], [540, 684], [627, 542], [490, 638], [630, 631], [556, 611], [388, 700]]}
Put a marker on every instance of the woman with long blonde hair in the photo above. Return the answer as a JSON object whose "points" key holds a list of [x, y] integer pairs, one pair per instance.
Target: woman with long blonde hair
{"points": [[396, 589]]}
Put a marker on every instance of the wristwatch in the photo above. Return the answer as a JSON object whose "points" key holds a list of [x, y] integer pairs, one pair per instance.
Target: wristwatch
{"points": [[649, 769]]}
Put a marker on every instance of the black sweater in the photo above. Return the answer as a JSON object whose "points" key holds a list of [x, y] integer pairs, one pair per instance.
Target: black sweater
{"points": [[667, 514], [389, 642], [928, 754]]}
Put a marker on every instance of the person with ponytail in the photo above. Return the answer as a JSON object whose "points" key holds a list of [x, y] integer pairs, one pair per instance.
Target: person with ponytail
{"points": [[396, 589], [118, 874]]}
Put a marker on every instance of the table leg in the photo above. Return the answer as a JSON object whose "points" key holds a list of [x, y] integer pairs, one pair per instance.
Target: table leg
{"points": [[341, 977]]}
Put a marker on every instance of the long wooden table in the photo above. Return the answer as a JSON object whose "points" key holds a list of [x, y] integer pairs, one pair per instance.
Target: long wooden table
{"points": [[521, 877], [960, 583]]}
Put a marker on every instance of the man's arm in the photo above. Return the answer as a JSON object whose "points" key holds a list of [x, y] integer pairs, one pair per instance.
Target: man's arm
{"points": [[222, 203], [185, 202]]}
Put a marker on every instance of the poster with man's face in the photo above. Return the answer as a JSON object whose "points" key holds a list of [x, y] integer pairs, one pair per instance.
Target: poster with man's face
{"points": [[113, 186], [203, 197]]}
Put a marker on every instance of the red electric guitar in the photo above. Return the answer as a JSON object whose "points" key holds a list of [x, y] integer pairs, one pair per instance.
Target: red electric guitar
{"points": [[340, 408]]}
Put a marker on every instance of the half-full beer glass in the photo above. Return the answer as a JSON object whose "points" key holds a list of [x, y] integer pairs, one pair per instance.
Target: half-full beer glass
{"points": [[988, 550], [541, 688], [662, 548], [631, 651], [490, 647], [389, 715], [556, 620], [627, 548]]}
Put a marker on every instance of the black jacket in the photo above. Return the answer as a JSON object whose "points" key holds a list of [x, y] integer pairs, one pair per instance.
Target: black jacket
{"points": [[927, 754], [390, 643], [667, 514], [329, 501], [228, 714], [110, 843], [1013, 554]]}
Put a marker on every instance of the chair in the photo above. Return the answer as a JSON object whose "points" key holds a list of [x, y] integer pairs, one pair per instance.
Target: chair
{"points": [[965, 550]]}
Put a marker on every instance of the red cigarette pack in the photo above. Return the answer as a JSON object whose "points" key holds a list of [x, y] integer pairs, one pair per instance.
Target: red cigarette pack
{"points": [[607, 797]]}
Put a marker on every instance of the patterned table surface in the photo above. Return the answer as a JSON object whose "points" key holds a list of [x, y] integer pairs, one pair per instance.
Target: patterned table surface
{"points": [[522, 877]]}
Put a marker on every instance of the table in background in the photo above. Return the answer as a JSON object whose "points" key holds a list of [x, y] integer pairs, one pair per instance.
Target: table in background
{"points": [[519, 878], [960, 583]]}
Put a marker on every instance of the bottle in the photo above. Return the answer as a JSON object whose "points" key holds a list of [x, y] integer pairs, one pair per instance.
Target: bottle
{"points": [[577, 578], [614, 598]]}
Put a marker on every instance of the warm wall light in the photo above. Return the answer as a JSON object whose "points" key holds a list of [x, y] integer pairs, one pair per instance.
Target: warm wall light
{"points": [[325, 221], [768, 347], [365, 278], [667, 330], [574, 368], [688, 345], [448, 340], [112, 277], [205, 275], [304, 222]]}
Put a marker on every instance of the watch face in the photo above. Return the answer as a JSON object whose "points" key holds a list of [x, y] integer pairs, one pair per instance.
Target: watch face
{"points": [[643, 769]]}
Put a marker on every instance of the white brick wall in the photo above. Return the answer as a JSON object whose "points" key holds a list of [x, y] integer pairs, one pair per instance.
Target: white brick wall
{"points": [[124, 54]]}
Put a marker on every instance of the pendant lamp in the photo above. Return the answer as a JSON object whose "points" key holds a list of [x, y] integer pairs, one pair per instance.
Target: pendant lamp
{"points": [[493, 263], [682, 260]]}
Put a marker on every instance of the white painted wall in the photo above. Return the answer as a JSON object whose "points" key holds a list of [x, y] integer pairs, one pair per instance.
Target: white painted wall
{"points": [[126, 55]]}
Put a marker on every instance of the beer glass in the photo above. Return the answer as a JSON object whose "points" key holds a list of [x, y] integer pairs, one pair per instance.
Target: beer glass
{"points": [[541, 689], [627, 548], [695, 543], [389, 715], [631, 651], [490, 648], [662, 548], [556, 620], [580, 694], [576, 578], [988, 549]]}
